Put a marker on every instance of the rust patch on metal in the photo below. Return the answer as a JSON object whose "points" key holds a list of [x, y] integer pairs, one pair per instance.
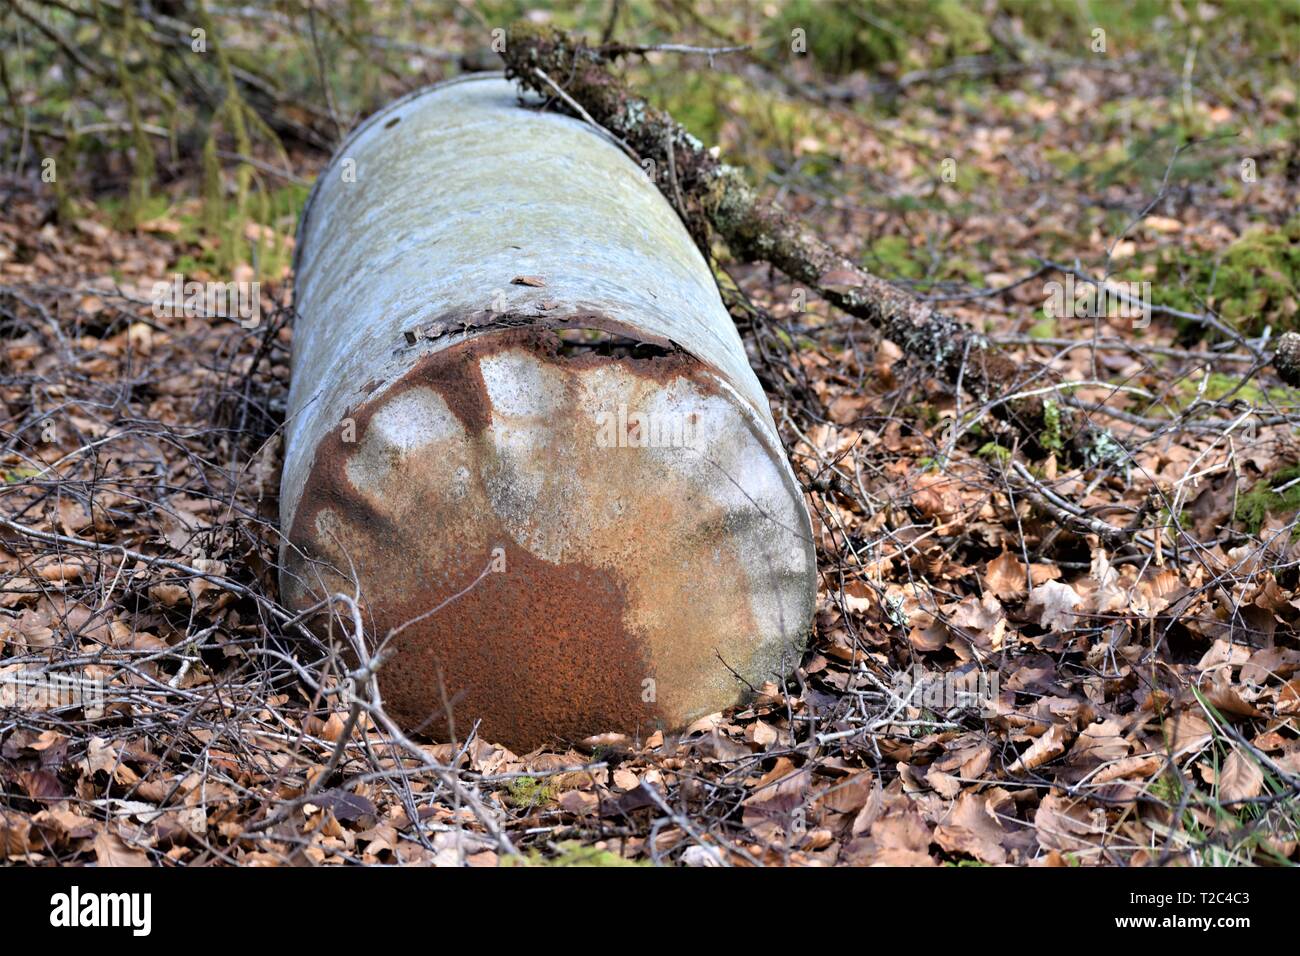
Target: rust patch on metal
{"points": [[546, 648], [538, 652], [455, 374]]}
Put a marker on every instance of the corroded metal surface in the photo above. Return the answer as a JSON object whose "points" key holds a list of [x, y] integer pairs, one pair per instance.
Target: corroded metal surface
{"points": [[647, 549]]}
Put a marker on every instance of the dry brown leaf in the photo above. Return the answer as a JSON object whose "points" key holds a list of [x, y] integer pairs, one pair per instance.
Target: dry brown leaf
{"points": [[1048, 746], [1100, 743], [944, 784], [776, 807], [1187, 732], [1068, 825], [1007, 577], [101, 754], [111, 851], [981, 621], [579, 802], [1240, 777], [850, 794], [937, 496], [65, 823], [1130, 767], [1288, 699], [64, 571], [1056, 603], [15, 834], [934, 637], [973, 829], [761, 734], [902, 829], [1227, 698], [168, 594]]}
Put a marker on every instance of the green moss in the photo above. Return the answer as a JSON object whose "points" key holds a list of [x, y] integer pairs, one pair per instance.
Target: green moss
{"points": [[1050, 438], [698, 103], [891, 257], [571, 853], [1044, 328], [758, 129], [1272, 29], [955, 267], [585, 16], [1219, 385], [1253, 283], [1261, 501], [126, 213], [529, 792], [209, 231], [994, 452], [1165, 787], [846, 35], [894, 257]]}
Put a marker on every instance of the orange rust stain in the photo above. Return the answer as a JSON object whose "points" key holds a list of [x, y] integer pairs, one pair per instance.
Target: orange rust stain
{"points": [[538, 651], [456, 375]]}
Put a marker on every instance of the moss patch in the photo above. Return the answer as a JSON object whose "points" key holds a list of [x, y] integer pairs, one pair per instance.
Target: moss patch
{"points": [[846, 35], [1050, 438], [1262, 500], [891, 257], [1254, 283], [571, 853], [529, 792], [1220, 385]]}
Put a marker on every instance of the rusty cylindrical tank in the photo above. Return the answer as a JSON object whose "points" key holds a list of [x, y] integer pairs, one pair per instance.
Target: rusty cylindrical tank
{"points": [[510, 357]]}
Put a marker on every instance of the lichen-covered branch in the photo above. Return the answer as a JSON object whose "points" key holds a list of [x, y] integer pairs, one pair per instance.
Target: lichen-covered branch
{"points": [[754, 229]]}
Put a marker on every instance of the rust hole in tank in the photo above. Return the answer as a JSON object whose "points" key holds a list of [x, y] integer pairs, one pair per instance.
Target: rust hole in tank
{"points": [[573, 342]]}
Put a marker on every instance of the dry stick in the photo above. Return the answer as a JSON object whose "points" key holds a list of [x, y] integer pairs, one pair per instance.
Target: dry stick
{"points": [[372, 704], [1068, 513], [1258, 755], [549, 62], [367, 699]]}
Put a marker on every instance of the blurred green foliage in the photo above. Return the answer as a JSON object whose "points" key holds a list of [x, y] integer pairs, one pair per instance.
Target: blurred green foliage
{"points": [[132, 107]]}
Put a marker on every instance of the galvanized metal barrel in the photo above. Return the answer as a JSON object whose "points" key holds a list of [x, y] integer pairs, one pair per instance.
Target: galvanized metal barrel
{"points": [[523, 428]]}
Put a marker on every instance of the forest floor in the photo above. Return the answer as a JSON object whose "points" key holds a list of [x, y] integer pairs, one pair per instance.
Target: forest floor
{"points": [[1016, 660]]}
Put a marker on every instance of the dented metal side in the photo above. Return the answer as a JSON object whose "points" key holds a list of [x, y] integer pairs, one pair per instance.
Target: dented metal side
{"points": [[647, 542]]}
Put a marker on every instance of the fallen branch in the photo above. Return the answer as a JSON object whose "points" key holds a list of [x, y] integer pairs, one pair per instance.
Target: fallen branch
{"points": [[711, 194]]}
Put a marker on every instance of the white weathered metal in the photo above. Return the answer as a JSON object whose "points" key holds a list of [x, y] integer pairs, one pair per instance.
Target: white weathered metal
{"points": [[448, 414]]}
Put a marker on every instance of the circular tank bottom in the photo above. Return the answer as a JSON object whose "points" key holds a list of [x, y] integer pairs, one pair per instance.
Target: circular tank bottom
{"points": [[631, 553]]}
